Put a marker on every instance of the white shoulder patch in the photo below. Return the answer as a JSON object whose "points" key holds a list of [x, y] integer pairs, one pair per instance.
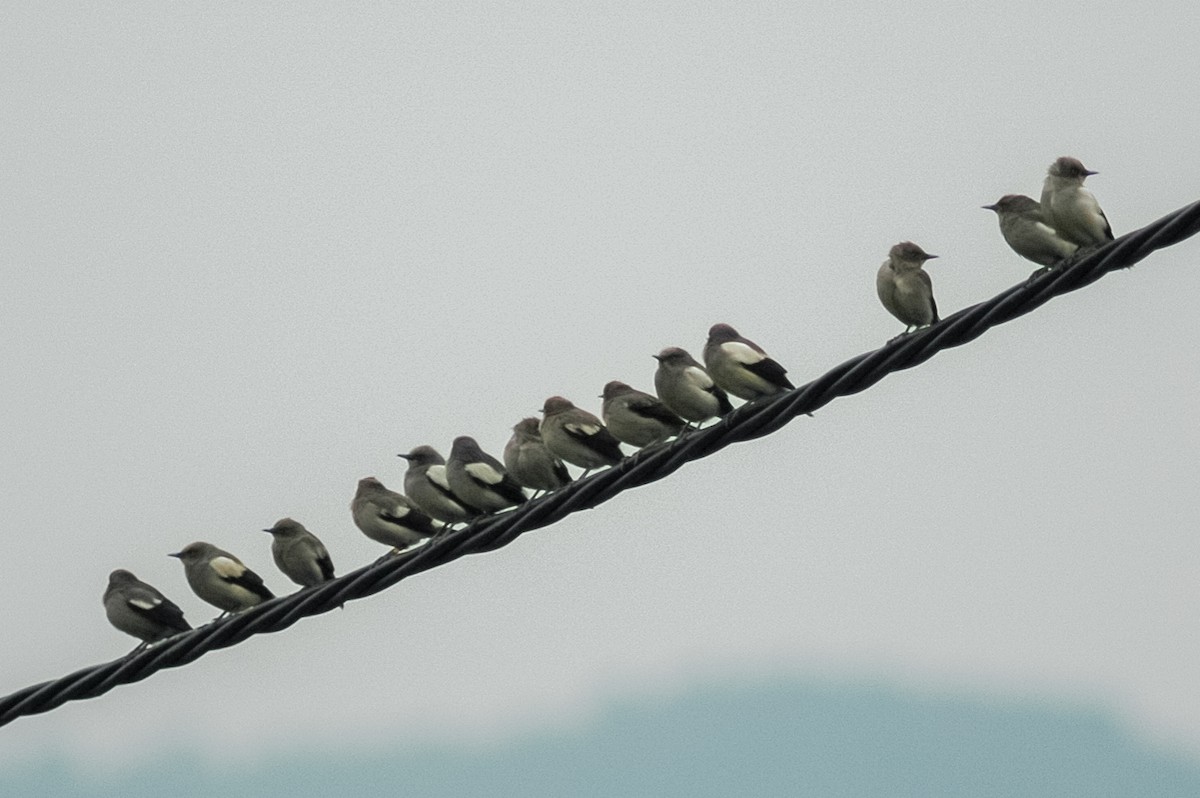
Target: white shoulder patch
{"points": [[227, 568], [144, 602], [437, 475], [741, 352], [698, 378], [397, 510], [582, 429], [484, 473]]}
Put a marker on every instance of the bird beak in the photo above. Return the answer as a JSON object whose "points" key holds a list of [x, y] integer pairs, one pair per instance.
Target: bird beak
{"points": [[176, 554], [266, 530], [1089, 172], [988, 207], [405, 456], [929, 257]]}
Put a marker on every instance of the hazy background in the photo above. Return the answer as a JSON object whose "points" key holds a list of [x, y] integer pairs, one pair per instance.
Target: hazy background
{"points": [[252, 252]]}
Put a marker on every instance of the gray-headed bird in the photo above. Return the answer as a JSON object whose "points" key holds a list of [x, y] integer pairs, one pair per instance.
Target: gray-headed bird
{"points": [[138, 609], [905, 288], [577, 436], [221, 579], [480, 479], [686, 387], [529, 462], [301, 556], [1070, 208], [426, 486], [388, 517], [1026, 231], [741, 367], [635, 417]]}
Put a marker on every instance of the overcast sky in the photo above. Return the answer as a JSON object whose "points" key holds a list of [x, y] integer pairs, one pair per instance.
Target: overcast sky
{"points": [[253, 251]]}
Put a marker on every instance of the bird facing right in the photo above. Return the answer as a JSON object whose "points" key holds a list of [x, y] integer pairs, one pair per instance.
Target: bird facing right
{"points": [[1026, 231], [137, 609], [1070, 208], [741, 367], [905, 288]]}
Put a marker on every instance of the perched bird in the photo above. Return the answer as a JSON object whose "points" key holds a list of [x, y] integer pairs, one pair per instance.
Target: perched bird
{"points": [[426, 486], [528, 460], [1070, 208], [299, 554], [1025, 230], [221, 579], [686, 388], [741, 367], [636, 417], [905, 288], [480, 478], [137, 609], [577, 436], [388, 517]]}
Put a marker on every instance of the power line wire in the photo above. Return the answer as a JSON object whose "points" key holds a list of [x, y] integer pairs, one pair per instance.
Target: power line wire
{"points": [[492, 532]]}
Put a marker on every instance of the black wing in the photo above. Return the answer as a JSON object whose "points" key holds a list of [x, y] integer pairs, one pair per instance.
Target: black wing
{"points": [[252, 582], [652, 408], [162, 610], [770, 371]]}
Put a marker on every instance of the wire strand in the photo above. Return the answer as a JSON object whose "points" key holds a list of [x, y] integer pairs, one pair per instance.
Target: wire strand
{"points": [[747, 422]]}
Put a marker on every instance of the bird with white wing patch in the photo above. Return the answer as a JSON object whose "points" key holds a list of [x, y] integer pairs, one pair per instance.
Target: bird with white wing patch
{"points": [[577, 436], [426, 485], [388, 517], [480, 479], [138, 609], [221, 579], [741, 367]]}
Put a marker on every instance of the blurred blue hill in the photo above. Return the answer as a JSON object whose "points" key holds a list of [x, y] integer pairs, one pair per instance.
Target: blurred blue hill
{"points": [[765, 738]]}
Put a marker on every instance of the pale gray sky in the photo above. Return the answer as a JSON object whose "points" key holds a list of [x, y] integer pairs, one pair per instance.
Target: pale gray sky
{"points": [[251, 253]]}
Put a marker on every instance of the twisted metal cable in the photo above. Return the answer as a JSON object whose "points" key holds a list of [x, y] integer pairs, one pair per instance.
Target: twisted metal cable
{"points": [[649, 465]]}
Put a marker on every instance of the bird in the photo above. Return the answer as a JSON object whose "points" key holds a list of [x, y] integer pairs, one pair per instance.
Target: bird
{"points": [[1070, 208], [388, 517], [138, 609], [299, 553], [1024, 228], [741, 367], [426, 486], [529, 462], [480, 478], [577, 436], [221, 579], [635, 417], [686, 388], [905, 288]]}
